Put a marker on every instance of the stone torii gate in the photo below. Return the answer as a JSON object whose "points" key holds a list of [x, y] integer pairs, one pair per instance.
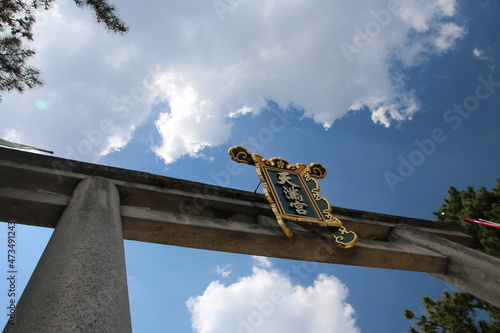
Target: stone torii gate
{"points": [[79, 284]]}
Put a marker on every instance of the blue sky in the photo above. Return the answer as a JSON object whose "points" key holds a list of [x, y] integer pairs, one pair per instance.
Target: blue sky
{"points": [[398, 100]]}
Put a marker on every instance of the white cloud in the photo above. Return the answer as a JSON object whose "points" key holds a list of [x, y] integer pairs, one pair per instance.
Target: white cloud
{"points": [[262, 262], [241, 112], [223, 271], [480, 54], [477, 53], [421, 15], [447, 6], [448, 34], [188, 127], [483, 55], [292, 54], [12, 135], [211, 71], [268, 302], [82, 115]]}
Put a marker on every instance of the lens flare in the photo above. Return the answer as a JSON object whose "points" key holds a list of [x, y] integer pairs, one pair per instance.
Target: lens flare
{"points": [[42, 105]]}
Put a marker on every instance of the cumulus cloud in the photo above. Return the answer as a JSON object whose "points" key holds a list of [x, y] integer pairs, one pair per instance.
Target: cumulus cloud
{"points": [[212, 64], [268, 302]]}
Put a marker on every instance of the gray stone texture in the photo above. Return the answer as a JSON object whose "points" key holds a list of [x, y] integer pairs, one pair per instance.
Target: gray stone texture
{"points": [[80, 284], [472, 271]]}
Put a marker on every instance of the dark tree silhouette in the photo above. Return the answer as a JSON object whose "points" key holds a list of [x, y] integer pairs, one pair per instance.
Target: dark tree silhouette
{"points": [[16, 22], [480, 204], [455, 313]]}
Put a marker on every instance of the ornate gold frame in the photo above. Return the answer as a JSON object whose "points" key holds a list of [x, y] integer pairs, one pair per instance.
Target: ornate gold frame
{"points": [[307, 174]]}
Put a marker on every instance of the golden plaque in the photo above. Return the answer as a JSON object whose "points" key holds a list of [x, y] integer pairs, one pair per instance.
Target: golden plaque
{"points": [[293, 192]]}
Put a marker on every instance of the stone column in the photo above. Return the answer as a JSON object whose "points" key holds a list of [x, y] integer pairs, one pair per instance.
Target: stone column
{"points": [[472, 271], [80, 282]]}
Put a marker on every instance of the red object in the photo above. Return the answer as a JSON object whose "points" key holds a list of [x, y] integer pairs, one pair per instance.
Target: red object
{"points": [[479, 221]]}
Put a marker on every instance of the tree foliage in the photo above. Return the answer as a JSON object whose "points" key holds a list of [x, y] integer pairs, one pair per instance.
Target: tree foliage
{"points": [[478, 204], [16, 21], [459, 312], [17, 18], [455, 313]]}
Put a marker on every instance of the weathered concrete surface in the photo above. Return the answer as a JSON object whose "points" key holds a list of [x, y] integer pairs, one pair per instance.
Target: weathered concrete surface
{"points": [[472, 271], [268, 240], [32, 180], [35, 189], [79, 284]]}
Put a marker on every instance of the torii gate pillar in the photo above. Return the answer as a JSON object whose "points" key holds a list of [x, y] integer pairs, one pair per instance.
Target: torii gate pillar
{"points": [[80, 282]]}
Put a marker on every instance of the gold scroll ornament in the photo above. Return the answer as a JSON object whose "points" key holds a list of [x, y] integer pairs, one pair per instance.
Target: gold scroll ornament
{"points": [[293, 192]]}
